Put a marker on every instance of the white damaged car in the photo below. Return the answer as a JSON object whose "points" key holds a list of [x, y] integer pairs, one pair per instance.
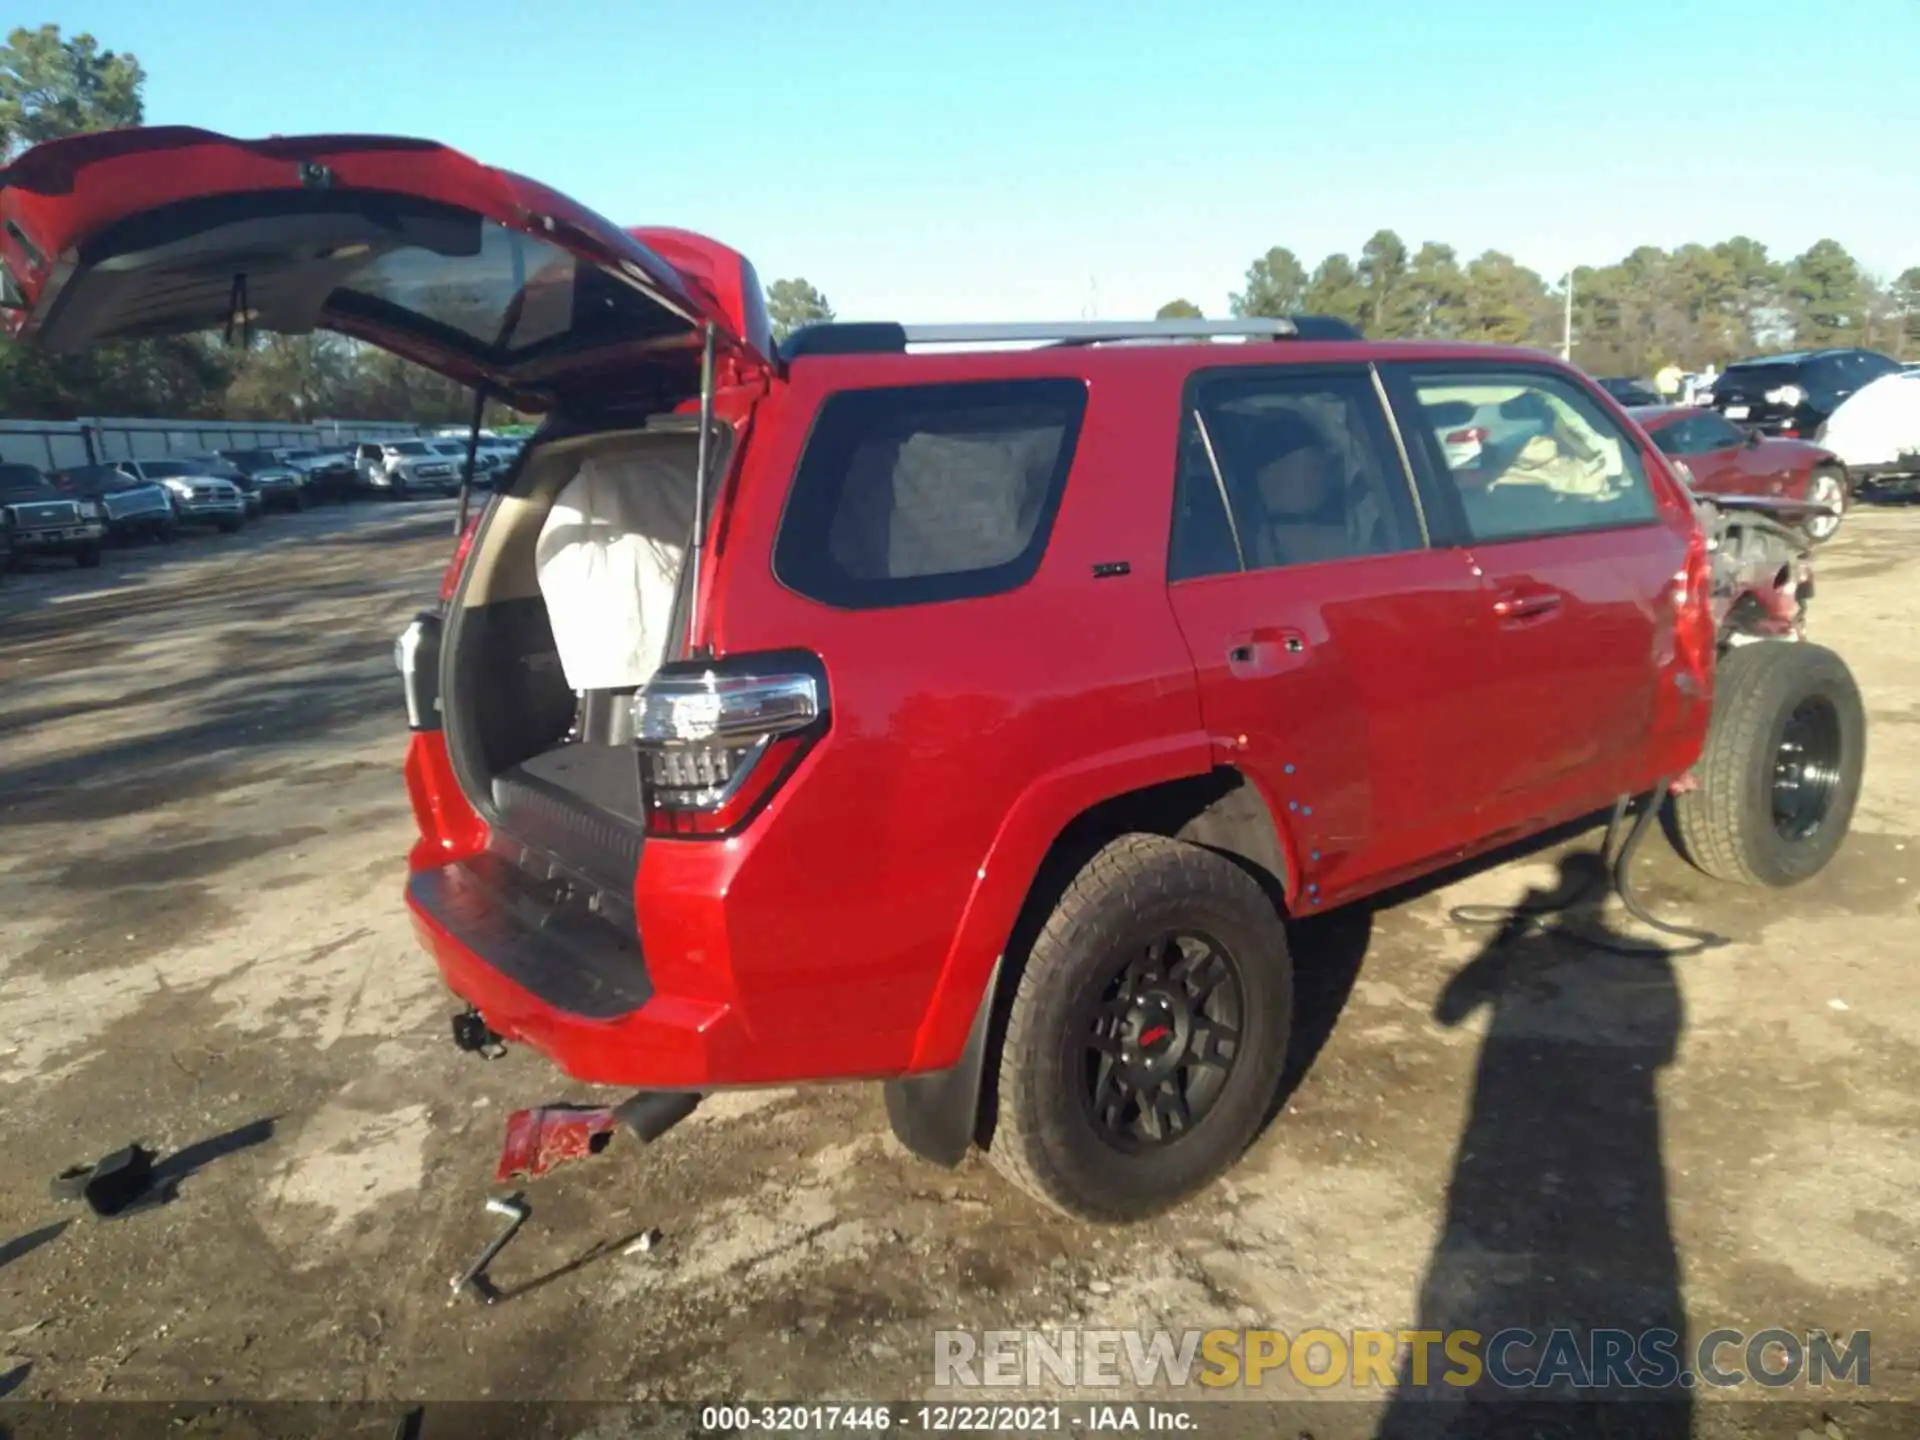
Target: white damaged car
{"points": [[1876, 433]]}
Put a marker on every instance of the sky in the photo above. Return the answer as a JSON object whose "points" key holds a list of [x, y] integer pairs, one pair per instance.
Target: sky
{"points": [[1032, 159]]}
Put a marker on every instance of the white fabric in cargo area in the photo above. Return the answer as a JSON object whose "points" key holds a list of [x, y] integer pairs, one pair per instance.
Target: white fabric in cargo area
{"points": [[609, 556]]}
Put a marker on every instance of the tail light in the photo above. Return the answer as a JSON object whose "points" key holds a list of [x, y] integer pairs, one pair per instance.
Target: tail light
{"points": [[717, 739], [450, 581], [1694, 631], [1472, 435]]}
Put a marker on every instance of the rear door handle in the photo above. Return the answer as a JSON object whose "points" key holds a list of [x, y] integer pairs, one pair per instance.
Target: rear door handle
{"points": [[1526, 603], [1264, 649]]}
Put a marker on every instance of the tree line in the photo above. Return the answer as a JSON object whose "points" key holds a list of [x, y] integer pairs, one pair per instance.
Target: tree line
{"points": [[1693, 306]]}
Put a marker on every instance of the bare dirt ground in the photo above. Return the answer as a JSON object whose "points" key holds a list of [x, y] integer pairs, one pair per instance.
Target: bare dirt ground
{"points": [[203, 947]]}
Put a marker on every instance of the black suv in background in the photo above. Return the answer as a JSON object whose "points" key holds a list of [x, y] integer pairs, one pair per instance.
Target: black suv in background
{"points": [[1792, 395]]}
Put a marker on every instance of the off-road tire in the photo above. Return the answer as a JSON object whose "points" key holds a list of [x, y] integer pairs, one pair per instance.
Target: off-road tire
{"points": [[1136, 888], [1726, 826], [87, 558]]}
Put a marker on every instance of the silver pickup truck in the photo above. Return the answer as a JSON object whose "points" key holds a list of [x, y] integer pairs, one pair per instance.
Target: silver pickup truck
{"points": [[399, 468]]}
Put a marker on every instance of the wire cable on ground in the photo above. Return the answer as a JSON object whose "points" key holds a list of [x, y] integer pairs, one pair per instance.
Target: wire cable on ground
{"points": [[1616, 870]]}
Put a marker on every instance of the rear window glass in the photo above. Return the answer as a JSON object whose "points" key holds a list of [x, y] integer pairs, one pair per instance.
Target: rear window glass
{"points": [[928, 492]]}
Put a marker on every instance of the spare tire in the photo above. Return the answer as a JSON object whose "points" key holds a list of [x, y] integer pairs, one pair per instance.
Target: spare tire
{"points": [[1780, 773]]}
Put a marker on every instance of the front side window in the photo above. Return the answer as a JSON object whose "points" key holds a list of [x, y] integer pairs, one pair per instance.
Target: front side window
{"points": [[1306, 468], [919, 493], [1544, 457]]}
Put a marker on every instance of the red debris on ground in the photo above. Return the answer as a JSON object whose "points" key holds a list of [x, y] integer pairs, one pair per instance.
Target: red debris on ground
{"points": [[550, 1135]]}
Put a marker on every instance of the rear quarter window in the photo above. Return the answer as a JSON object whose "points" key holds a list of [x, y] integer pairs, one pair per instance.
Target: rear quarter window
{"points": [[915, 494]]}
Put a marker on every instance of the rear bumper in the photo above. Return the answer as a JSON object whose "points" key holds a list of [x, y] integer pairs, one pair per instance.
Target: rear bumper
{"points": [[571, 985], [723, 979]]}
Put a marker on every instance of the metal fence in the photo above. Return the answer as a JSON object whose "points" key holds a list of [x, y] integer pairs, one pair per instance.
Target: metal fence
{"points": [[60, 444]]}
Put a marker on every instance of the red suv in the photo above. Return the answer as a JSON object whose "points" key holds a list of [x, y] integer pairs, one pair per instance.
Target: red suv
{"points": [[968, 721]]}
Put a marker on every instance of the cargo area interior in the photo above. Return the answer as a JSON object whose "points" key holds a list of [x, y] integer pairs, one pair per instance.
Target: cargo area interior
{"points": [[572, 595]]}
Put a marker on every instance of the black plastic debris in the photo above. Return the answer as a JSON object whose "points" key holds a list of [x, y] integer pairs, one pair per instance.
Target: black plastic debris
{"points": [[110, 1184]]}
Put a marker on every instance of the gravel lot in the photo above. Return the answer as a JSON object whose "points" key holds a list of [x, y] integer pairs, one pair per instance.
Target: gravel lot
{"points": [[202, 832]]}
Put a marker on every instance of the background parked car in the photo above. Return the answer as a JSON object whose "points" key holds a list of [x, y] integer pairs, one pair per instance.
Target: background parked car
{"points": [[278, 483], [1717, 457], [328, 474], [1876, 433], [1629, 392], [223, 469], [399, 468], [332, 467], [200, 495], [1792, 395], [1475, 430], [133, 509], [485, 465], [42, 521]]}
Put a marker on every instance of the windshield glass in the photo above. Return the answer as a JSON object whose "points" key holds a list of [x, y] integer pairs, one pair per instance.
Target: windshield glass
{"points": [[95, 480], [1748, 377], [23, 482], [410, 447], [163, 469]]}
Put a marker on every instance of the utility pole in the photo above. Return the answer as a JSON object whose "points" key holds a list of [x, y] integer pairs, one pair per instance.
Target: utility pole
{"points": [[1566, 333]]}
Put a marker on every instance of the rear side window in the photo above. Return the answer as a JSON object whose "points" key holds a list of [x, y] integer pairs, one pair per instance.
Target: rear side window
{"points": [[1285, 467], [922, 493]]}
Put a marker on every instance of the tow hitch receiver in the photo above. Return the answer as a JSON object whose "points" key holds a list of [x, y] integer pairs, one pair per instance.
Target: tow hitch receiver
{"points": [[472, 1034]]}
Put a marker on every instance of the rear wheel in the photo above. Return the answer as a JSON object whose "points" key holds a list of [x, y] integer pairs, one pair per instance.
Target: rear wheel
{"points": [[1780, 773], [1146, 1033], [1827, 486]]}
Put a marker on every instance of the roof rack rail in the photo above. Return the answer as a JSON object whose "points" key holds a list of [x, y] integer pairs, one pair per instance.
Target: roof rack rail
{"points": [[889, 337]]}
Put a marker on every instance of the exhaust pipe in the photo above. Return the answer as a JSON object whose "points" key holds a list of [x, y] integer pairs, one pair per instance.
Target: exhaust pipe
{"points": [[649, 1114]]}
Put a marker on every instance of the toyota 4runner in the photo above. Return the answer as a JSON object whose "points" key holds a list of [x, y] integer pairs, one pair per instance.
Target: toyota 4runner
{"points": [[970, 720]]}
